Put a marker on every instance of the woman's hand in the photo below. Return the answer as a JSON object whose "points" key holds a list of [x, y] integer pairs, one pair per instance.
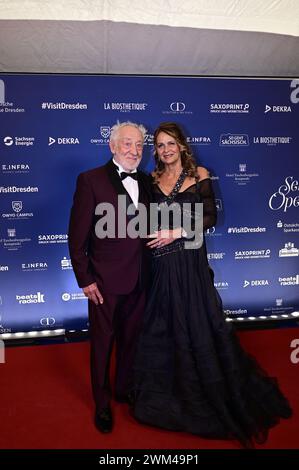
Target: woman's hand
{"points": [[164, 237]]}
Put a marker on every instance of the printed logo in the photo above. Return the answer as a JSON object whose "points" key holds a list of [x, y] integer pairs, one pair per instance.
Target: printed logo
{"points": [[3, 268], [52, 238], [239, 311], [19, 141], [290, 227], [37, 298], [286, 196], [294, 97], [66, 264], [199, 140], [63, 106], [288, 250], [289, 281], [66, 296], [105, 131], [47, 321], [272, 140], [17, 206], [256, 283], [243, 177], [39, 266], [63, 141], [177, 107], [8, 141], [231, 108], [14, 168], [234, 140], [278, 109], [252, 254], [2, 92], [246, 230], [124, 107]]}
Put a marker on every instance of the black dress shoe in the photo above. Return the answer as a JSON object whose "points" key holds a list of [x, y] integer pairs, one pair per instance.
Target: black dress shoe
{"points": [[103, 420]]}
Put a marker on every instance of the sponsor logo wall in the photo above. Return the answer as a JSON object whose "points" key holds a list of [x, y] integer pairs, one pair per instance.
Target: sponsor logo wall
{"points": [[52, 127]]}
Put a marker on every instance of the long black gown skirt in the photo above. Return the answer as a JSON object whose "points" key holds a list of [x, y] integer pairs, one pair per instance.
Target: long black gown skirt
{"points": [[191, 374]]}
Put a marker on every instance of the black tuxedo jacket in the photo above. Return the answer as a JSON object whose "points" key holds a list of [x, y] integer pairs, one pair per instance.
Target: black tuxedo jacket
{"points": [[116, 264]]}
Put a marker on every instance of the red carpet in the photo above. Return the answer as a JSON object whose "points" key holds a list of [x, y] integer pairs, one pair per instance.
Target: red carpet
{"points": [[45, 400]]}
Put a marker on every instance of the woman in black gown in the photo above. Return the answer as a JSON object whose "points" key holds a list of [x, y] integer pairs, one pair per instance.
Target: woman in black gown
{"points": [[191, 374]]}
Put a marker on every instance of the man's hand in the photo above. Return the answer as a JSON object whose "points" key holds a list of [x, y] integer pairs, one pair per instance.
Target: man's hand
{"points": [[164, 237], [93, 293]]}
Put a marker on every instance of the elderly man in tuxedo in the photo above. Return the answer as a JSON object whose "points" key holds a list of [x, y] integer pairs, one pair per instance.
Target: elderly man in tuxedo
{"points": [[113, 272]]}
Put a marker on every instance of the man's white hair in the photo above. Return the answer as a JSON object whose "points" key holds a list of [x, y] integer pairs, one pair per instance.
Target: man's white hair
{"points": [[115, 129]]}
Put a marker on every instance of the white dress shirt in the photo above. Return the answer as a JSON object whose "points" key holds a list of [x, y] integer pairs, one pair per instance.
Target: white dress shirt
{"points": [[129, 184]]}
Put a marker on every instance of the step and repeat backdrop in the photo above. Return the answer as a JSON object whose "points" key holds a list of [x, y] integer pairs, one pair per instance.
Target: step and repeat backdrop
{"points": [[245, 131]]}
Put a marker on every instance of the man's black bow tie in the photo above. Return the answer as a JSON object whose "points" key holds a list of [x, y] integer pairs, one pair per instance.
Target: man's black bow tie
{"points": [[124, 175]]}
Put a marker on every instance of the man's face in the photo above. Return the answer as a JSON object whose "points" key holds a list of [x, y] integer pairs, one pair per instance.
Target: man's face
{"points": [[127, 148]]}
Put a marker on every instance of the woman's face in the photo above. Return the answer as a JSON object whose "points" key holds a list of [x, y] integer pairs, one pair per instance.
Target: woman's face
{"points": [[168, 149]]}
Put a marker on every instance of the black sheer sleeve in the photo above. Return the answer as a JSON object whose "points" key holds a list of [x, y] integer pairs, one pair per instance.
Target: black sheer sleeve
{"points": [[207, 197]]}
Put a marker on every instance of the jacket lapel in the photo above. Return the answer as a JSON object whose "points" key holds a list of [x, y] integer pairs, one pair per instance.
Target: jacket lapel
{"points": [[116, 181], [144, 188], [143, 185]]}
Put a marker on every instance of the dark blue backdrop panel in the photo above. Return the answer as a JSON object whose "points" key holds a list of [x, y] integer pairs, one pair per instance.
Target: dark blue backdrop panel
{"points": [[52, 127]]}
